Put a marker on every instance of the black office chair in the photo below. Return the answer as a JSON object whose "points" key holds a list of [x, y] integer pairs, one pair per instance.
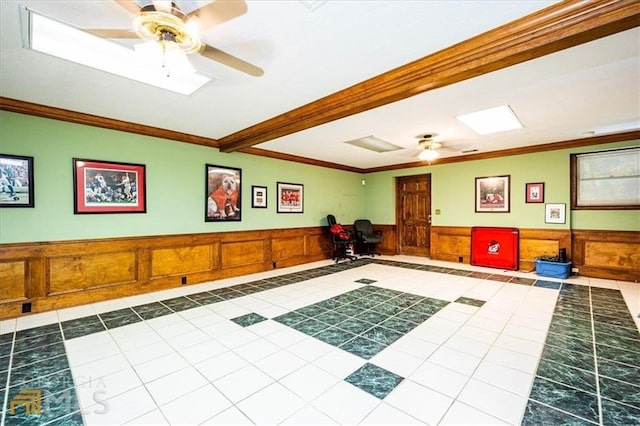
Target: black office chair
{"points": [[343, 241], [366, 237]]}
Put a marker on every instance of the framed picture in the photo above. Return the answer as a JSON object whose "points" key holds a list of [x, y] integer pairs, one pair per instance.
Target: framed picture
{"points": [[555, 213], [493, 194], [108, 187], [223, 196], [16, 181], [259, 197], [290, 197], [534, 192]]}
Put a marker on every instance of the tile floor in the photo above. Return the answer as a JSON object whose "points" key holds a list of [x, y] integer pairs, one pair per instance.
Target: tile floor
{"points": [[393, 340]]}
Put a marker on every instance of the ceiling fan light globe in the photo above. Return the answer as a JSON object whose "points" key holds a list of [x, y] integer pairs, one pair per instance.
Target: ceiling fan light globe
{"points": [[429, 155]]}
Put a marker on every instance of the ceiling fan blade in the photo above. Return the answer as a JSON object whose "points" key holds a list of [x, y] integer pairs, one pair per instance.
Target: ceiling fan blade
{"points": [[130, 5], [231, 61], [112, 32], [218, 12]]}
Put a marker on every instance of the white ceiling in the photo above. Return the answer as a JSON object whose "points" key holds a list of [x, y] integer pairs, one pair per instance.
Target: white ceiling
{"points": [[307, 54]]}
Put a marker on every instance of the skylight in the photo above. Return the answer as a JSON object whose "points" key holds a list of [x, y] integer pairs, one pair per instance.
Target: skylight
{"points": [[52, 37], [492, 120]]}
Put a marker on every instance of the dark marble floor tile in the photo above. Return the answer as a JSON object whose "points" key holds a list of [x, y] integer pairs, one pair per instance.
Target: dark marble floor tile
{"points": [[382, 335], [618, 341], [180, 304], [479, 275], [622, 372], [355, 326], [571, 312], [52, 384], [362, 347], [610, 306], [364, 303], [291, 318], [522, 281], [310, 326], [229, 295], [413, 316], [4, 362], [627, 332], [570, 323], [579, 305], [583, 359], [37, 370], [574, 288], [311, 310], [365, 281], [387, 310], [334, 336], [152, 310], [36, 342], [80, 322], [346, 298], [569, 343], [425, 307], [501, 278], [248, 319], [402, 302], [105, 316], [371, 316], [131, 318], [567, 375], [469, 301], [84, 330], [374, 380], [24, 358], [38, 331], [614, 413], [563, 326], [204, 298], [547, 284], [617, 354], [618, 320], [566, 398], [348, 310], [537, 414], [399, 325], [6, 338], [331, 317], [460, 272], [329, 304], [623, 392]]}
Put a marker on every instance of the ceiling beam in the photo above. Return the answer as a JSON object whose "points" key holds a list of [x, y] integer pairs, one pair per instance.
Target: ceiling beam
{"points": [[550, 30]]}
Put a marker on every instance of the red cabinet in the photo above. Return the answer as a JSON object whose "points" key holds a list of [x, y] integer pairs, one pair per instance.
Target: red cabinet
{"points": [[495, 247]]}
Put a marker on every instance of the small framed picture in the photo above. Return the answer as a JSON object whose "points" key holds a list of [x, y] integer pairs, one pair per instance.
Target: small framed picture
{"points": [[555, 213], [108, 187], [16, 181], [534, 192], [223, 194], [258, 197], [290, 197], [493, 194]]}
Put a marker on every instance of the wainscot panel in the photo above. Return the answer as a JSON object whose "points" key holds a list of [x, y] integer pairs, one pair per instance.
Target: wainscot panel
{"points": [[42, 276], [607, 254]]}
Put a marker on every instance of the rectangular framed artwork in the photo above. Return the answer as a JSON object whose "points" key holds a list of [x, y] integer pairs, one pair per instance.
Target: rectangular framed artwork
{"points": [[223, 186], [108, 187], [290, 197], [259, 197], [534, 192], [16, 181], [493, 194], [555, 213]]}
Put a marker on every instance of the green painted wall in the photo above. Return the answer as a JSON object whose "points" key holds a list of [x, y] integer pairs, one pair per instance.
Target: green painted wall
{"points": [[175, 185], [453, 191]]}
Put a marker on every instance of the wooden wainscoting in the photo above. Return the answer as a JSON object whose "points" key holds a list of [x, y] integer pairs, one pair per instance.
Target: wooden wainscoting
{"points": [[58, 274], [607, 254]]}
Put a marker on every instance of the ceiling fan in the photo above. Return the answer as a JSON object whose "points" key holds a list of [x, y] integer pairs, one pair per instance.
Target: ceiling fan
{"points": [[165, 26], [428, 147]]}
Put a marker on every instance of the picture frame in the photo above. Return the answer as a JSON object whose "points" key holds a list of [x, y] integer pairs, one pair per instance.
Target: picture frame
{"points": [[555, 213], [534, 192], [493, 194], [290, 197], [223, 194], [108, 187], [258, 197], [16, 181]]}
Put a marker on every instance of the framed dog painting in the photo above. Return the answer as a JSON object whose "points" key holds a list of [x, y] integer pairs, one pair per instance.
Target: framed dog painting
{"points": [[493, 194], [223, 194]]}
